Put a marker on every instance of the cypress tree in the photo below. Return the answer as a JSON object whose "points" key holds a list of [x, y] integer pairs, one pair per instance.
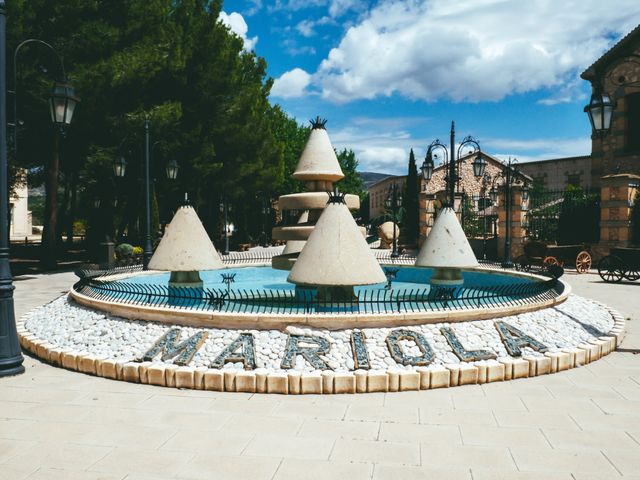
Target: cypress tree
{"points": [[411, 218]]}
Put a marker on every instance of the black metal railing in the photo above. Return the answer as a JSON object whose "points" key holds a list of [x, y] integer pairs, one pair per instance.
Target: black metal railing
{"points": [[308, 301]]}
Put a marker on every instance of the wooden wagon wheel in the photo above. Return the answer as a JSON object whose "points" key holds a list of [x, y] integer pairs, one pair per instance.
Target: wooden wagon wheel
{"points": [[523, 263], [632, 275], [550, 261], [610, 269], [583, 262]]}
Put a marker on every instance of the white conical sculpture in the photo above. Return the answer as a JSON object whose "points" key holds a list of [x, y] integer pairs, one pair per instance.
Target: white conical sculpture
{"points": [[318, 160], [336, 257], [185, 249], [446, 250]]}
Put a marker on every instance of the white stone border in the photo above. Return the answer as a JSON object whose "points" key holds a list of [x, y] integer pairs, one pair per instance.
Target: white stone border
{"points": [[360, 381]]}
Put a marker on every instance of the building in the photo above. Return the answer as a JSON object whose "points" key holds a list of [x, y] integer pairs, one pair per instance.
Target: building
{"points": [[20, 224], [616, 74], [379, 191], [557, 173]]}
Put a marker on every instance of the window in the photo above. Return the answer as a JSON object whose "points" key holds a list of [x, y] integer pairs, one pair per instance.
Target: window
{"points": [[632, 133], [573, 179]]}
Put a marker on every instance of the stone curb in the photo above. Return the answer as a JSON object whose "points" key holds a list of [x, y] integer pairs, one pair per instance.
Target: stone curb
{"points": [[329, 382]]}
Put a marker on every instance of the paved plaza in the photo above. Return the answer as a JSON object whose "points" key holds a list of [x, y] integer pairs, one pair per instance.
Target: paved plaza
{"points": [[581, 424]]}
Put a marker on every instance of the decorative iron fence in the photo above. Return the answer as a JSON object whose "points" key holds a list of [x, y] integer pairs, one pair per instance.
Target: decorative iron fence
{"points": [[309, 301]]}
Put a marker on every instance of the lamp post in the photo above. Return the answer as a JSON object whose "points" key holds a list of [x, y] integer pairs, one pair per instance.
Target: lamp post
{"points": [[10, 355], [450, 158], [394, 201], [62, 104], [225, 208], [487, 179], [171, 170], [266, 209]]}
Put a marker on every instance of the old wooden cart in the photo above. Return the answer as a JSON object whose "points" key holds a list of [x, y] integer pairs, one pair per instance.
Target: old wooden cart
{"points": [[620, 263], [543, 255]]}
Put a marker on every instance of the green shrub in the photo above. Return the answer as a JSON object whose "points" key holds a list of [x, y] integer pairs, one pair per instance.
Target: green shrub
{"points": [[124, 250]]}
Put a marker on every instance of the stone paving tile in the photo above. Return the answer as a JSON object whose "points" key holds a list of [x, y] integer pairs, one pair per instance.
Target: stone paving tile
{"points": [[330, 411], [419, 399], [493, 474], [289, 447], [388, 472], [57, 474], [376, 452], [626, 461], [556, 461], [113, 399], [616, 406], [222, 443], [606, 422], [506, 403], [295, 469], [366, 413], [536, 419], [39, 395], [59, 455], [44, 431], [467, 456], [427, 434], [374, 399], [540, 405], [598, 439], [456, 417], [570, 392], [629, 393], [339, 429], [16, 472], [207, 467], [181, 404], [257, 424], [142, 461], [516, 388], [503, 436], [590, 476], [244, 405], [59, 412]]}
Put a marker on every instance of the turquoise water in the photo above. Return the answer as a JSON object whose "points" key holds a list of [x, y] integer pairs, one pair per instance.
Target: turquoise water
{"points": [[267, 278], [263, 289]]}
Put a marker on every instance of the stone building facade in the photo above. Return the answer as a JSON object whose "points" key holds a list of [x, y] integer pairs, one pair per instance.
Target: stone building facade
{"points": [[20, 224], [379, 191], [617, 73], [557, 174]]}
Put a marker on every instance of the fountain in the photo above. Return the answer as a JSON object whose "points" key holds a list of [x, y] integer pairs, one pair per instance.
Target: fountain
{"points": [[318, 167], [185, 250]]}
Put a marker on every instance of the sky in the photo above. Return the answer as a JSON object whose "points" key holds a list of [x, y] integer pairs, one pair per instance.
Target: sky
{"points": [[391, 75]]}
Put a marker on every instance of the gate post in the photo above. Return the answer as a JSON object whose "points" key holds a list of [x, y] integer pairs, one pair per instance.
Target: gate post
{"points": [[617, 196], [519, 209]]}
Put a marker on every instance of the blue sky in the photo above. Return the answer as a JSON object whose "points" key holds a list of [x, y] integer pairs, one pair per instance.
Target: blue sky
{"points": [[390, 75]]}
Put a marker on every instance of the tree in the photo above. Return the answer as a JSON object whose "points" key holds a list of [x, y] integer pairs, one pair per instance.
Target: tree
{"points": [[352, 182], [410, 203]]}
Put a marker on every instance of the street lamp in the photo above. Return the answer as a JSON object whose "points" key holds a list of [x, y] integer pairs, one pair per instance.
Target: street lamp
{"points": [[62, 104], [450, 157], [225, 208], [10, 354], [266, 209], [171, 170], [601, 105], [394, 201]]}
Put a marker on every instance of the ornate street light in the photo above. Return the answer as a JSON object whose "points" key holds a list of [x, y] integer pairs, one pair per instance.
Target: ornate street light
{"points": [[427, 167], [479, 166], [525, 193], [172, 169], [450, 156], [493, 194], [62, 103], [119, 166], [600, 111]]}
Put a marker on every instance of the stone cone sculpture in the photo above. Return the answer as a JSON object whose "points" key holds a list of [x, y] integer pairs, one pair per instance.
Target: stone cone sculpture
{"points": [[336, 257], [185, 249], [446, 250], [318, 160]]}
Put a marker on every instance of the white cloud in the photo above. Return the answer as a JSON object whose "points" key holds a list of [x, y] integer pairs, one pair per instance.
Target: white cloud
{"points": [[291, 84], [338, 8], [470, 50], [237, 25], [305, 28], [538, 149]]}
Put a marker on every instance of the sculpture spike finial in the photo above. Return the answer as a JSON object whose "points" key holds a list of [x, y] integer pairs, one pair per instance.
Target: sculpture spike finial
{"points": [[318, 123], [336, 197]]}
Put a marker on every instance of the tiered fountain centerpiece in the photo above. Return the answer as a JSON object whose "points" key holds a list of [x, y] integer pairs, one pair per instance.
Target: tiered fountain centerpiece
{"points": [[318, 167]]}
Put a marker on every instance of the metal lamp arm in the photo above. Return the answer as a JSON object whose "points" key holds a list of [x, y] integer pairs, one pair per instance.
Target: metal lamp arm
{"points": [[466, 141], [436, 144]]}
